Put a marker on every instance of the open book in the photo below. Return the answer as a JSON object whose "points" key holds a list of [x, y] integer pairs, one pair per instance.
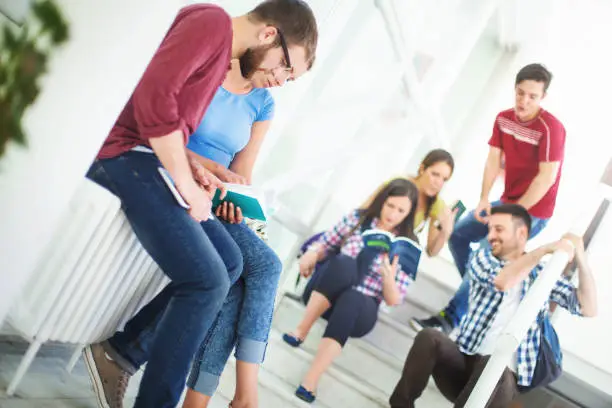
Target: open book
{"points": [[252, 201], [408, 251]]}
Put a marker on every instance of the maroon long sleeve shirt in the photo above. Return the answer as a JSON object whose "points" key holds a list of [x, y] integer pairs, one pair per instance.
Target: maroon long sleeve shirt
{"points": [[179, 82]]}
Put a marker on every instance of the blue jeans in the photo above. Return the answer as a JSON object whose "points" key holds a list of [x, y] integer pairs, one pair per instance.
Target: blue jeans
{"points": [[467, 232], [244, 320], [246, 316], [200, 276]]}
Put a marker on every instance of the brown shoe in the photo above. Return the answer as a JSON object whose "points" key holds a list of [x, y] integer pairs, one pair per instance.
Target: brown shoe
{"points": [[108, 379]]}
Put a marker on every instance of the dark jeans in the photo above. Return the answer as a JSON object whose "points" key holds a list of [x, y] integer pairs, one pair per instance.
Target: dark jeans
{"points": [[200, 275], [455, 373], [352, 313]]}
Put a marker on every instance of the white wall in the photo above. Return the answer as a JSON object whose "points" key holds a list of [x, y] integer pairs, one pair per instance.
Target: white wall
{"points": [[88, 83]]}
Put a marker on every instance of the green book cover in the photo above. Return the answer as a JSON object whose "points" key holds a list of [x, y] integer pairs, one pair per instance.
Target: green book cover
{"points": [[249, 199]]}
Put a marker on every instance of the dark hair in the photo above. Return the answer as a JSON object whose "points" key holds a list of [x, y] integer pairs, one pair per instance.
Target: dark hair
{"points": [[399, 187], [432, 158], [518, 212], [534, 72], [296, 21]]}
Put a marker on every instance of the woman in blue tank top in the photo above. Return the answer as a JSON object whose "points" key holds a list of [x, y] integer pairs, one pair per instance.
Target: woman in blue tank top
{"points": [[227, 142]]}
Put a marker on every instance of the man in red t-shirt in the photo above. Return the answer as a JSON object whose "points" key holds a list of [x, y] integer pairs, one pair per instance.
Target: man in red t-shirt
{"points": [[278, 37], [531, 142]]}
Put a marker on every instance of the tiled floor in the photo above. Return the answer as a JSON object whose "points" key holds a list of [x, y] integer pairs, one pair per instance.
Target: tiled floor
{"points": [[47, 384]]}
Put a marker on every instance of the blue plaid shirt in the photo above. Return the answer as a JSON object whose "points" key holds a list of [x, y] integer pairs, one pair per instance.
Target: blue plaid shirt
{"points": [[485, 299]]}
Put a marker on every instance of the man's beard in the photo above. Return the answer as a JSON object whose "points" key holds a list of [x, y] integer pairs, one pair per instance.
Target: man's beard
{"points": [[499, 250], [251, 60]]}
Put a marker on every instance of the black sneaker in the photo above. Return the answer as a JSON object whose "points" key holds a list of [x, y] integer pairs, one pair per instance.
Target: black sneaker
{"points": [[438, 322]]}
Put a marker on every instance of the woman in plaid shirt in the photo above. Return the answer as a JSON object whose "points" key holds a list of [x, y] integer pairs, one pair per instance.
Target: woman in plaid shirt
{"points": [[355, 280]]}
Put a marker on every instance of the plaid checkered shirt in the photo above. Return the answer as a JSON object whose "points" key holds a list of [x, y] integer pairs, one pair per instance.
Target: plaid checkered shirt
{"points": [[372, 284], [485, 300]]}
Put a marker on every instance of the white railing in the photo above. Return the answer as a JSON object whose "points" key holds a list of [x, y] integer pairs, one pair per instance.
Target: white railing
{"points": [[516, 330], [528, 310]]}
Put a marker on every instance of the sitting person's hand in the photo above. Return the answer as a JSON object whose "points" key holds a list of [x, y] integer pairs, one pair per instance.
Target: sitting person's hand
{"points": [[577, 242], [229, 212], [206, 179], [308, 262], [484, 206], [564, 244], [228, 176], [388, 269], [446, 218]]}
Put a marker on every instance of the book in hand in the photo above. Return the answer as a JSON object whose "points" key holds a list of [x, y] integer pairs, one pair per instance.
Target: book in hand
{"points": [[460, 207], [408, 251], [172, 187], [251, 200]]}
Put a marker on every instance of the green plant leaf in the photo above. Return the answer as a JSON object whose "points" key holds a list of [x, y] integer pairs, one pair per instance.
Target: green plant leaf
{"points": [[51, 18], [10, 41], [22, 64]]}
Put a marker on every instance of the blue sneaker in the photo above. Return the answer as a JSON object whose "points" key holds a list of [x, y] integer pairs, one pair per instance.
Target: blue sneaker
{"points": [[305, 395], [292, 340]]}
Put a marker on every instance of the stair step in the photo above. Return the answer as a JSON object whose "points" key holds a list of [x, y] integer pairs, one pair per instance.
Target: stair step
{"points": [[367, 370], [360, 358], [273, 391], [336, 389], [389, 336], [218, 401], [363, 359]]}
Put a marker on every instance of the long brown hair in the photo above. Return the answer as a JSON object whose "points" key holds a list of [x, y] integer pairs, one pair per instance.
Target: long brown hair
{"points": [[399, 187], [431, 159]]}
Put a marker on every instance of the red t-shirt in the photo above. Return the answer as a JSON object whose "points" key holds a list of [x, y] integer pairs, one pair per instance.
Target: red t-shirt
{"points": [[179, 82], [525, 145]]}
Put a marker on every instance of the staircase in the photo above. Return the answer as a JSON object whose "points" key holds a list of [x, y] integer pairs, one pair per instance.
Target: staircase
{"points": [[366, 373]]}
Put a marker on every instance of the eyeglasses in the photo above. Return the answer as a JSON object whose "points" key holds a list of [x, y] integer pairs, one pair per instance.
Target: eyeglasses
{"points": [[281, 37]]}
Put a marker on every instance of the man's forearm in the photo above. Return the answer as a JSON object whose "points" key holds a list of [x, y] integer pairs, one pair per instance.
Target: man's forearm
{"points": [[170, 150], [491, 171], [210, 165], [586, 292], [488, 179], [516, 271], [536, 191]]}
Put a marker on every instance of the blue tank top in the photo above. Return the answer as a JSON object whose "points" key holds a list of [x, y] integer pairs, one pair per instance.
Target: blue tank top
{"points": [[226, 127]]}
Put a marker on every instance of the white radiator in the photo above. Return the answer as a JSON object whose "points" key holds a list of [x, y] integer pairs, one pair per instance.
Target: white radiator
{"points": [[94, 276]]}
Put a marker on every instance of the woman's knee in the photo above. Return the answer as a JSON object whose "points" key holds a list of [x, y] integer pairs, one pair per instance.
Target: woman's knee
{"points": [[274, 266], [230, 257], [337, 335], [344, 317], [261, 261]]}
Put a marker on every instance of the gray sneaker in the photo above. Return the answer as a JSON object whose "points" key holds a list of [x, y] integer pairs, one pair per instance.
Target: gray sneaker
{"points": [[438, 322], [108, 379]]}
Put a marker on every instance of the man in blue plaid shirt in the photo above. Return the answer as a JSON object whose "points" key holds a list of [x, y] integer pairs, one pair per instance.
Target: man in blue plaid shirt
{"points": [[499, 278]]}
